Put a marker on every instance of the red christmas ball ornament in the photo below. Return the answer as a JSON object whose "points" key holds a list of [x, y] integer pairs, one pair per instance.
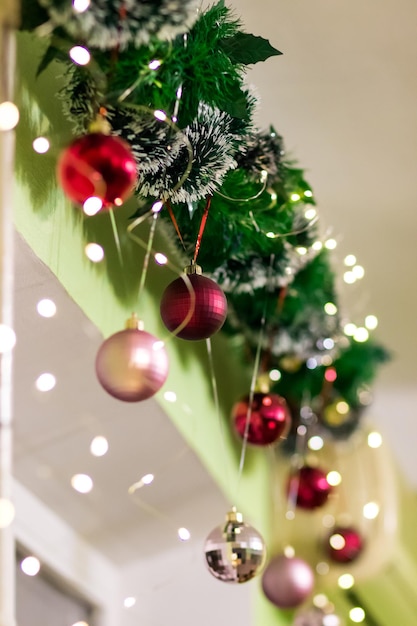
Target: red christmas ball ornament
{"points": [[100, 166], [132, 365], [344, 544], [198, 313], [287, 581], [309, 487], [269, 418]]}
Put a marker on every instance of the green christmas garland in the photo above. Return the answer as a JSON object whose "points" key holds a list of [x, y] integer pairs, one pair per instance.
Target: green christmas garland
{"points": [[260, 243]]}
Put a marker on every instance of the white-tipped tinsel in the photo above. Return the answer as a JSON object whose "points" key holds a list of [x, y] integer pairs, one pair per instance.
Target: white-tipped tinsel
{"points": [[153, 142], [213, 144], [262, 152], [108, 24], [81, 98], [301, 341], [252, 273]]}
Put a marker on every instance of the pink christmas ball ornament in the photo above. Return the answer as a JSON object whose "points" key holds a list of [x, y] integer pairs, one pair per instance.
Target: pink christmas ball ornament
{"points": [[287, 581], [132, 365]]}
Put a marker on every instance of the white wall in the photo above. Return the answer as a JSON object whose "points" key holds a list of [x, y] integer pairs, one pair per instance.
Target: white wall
{"points": [[173, 587], [75, 564], [187, 593]]}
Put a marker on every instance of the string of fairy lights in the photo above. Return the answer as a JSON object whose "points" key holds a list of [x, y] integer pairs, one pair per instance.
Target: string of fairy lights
{"points": [[99, 446]]}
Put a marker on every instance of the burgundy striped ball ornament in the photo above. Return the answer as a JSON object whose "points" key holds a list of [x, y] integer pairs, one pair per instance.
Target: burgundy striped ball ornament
{"points": [[195, 307]]}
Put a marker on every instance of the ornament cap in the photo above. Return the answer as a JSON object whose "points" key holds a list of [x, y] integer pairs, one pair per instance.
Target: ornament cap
{"points": [[234, 516], [263, 383], [193, 269], [133, 323], [100, 125]]}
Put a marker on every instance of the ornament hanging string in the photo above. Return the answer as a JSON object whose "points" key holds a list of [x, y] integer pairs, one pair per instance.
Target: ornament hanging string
{"points": [[174, 221], [200, 231], [217, 407], [157, 206], [255, 373], [297, 461], [116, 237], [147, 256], [161, 117], [147, 246], [281, 298], [202, 227]]}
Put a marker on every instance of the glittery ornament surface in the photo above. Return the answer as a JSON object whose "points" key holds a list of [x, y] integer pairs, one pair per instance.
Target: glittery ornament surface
{"points": [[132, 365], [309, 487], [287, 582], [97, 165], [206, 317], [235, 552], [110, 24], [269, 418]]}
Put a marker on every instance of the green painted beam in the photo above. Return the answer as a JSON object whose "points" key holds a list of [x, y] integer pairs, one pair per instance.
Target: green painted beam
{"points": [[57, 232]]}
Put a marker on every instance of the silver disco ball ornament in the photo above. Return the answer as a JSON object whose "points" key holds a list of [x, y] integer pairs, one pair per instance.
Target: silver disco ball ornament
{"points": [[235, 552]]}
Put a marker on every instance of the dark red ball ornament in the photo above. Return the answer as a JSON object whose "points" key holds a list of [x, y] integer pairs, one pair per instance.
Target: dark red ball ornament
{"points": [[97, 165], [344, 544], [287, 581], [207, 315], [269, 419], [309, 487]]}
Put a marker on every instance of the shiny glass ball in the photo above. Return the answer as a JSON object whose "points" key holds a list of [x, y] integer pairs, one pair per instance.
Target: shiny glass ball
{"points": [[344, 544], [203, 318], [269, 418], [97, 165], [132, 365], [309, 487], [235, 552]]}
